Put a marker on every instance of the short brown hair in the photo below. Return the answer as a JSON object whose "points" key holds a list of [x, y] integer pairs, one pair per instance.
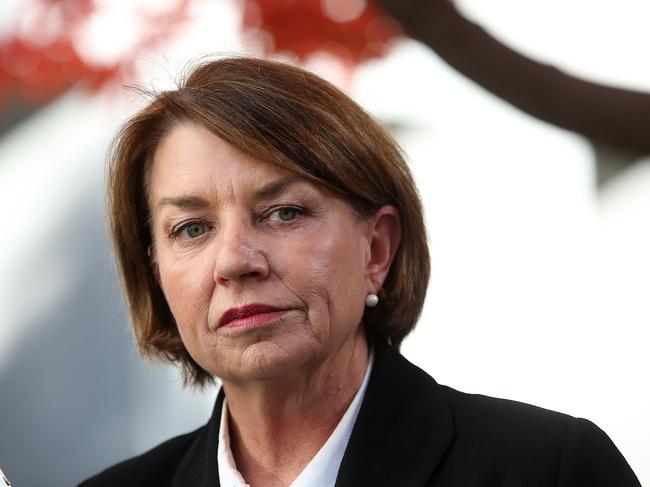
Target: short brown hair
{"points": [[288, 117]]}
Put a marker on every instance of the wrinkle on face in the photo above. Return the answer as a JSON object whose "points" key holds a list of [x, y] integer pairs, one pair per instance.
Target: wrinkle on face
{"points": [[316, 267]]}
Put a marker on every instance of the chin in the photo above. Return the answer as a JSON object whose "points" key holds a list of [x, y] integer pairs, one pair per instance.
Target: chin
{"points": [[268, 359]]}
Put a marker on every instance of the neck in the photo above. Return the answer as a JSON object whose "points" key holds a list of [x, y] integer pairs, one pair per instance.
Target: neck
{"points": [[277, 425]]}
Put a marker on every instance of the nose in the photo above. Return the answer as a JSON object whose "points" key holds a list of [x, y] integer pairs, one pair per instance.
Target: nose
{"points": [[239, 253]]}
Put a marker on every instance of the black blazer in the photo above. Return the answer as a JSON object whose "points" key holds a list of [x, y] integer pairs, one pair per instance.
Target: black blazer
{"points": [[412, 432]]}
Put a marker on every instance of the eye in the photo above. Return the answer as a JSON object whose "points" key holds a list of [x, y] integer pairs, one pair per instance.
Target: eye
{"points": [[283, 215], [190, 230], [287, 213], [194, 230]]}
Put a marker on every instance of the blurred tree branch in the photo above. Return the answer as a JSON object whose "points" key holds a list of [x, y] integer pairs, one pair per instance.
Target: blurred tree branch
{"points": [[614, 117]]}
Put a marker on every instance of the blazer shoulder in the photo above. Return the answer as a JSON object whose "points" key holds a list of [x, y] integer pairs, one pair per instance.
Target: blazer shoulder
{"points": [[589, 457], [541, 443], [155, 467], [484, 412], [493, 429]]}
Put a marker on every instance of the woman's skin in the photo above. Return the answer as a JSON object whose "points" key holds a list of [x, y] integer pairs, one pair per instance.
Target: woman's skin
{"points": [[232, 231]]}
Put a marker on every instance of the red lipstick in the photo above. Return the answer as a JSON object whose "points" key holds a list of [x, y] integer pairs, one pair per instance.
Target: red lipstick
{"points": [[250, 315]]}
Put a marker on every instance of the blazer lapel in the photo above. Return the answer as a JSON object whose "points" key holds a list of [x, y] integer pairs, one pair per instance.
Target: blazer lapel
{"points": [[401, 434], [403, 429], [199, 465]]}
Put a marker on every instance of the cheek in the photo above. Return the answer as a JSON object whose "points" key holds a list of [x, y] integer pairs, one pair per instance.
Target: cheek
{"points": [[328, 277], [187, 286], [347, 281]]}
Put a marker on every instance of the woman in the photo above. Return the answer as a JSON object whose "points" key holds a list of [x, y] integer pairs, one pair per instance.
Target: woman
{"points": [[269, 233]]}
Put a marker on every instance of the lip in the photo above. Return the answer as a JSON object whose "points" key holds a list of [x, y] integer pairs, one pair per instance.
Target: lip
{"points": [[251, 315]]}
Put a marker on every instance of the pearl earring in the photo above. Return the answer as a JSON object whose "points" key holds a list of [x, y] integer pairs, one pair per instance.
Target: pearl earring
{"points": [[372, 300]]}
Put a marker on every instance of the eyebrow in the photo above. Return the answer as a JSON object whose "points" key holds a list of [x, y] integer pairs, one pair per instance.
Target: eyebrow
{"points": [[275, 188], [191, 202], [188, 202]]}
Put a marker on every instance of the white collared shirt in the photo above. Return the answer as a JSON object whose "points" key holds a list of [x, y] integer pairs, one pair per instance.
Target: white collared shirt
{"points": [[322, 469]]}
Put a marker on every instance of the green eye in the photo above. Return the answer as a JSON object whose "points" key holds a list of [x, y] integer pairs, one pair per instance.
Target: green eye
{"points": [[287, 214], [195, 230]]}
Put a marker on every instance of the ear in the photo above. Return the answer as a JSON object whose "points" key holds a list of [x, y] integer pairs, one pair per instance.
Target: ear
{"points": [[385, 234]]}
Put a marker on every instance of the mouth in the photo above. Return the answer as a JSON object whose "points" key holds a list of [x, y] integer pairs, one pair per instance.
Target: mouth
{"points": [[249, 316]]}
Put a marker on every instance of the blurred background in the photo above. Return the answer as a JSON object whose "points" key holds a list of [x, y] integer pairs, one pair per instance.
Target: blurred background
{"points": [[526, 125]]}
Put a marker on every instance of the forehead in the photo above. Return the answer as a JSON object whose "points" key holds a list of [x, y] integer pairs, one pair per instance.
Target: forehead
{"points": [[190, 159]]}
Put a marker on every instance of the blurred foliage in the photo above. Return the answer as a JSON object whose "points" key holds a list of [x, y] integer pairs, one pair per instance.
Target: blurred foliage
{"points": [[46, 50], [352, 30]]}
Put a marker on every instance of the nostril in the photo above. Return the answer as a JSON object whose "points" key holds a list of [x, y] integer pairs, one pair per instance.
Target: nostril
{"points": [[238, 264]]}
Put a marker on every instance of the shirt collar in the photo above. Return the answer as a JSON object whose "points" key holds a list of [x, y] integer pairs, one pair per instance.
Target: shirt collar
{"points": [[322, 468]]}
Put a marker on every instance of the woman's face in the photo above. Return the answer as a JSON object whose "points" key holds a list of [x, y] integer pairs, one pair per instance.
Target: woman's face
{"points": [[263, 271]]}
